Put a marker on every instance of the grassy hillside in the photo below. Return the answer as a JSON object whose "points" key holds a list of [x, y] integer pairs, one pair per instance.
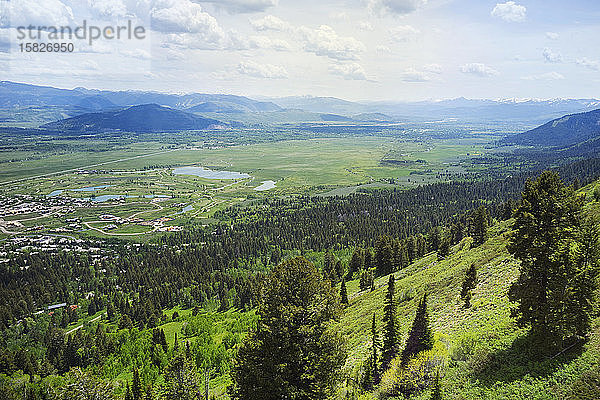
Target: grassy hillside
{"points": [[486, 356]]}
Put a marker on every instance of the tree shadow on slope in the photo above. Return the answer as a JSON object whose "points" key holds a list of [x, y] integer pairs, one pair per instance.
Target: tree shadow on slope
{"points": [[524, 357]]}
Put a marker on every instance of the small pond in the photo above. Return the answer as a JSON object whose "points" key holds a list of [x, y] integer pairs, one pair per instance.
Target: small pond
{"points": [[209, 173], [266, 185]]}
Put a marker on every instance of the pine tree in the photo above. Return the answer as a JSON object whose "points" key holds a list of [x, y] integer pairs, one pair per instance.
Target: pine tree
{"points": [[558, 269], [434, 238], [163, 341], [136, 385], [175, 344], [384, 255], [344, 292], [444, 247], [110, 311], [329, 271], [468, 285], [479, 225], [128, 394], [436, 391], [390, 336], [292, 354], [366, 280], [374, 355], [357, 261], [420, 337], [181, 380], [368, 257]]}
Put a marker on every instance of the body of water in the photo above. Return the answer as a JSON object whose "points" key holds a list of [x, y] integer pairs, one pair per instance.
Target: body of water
{"points": [[83, 189], [91, 188], [107, 197], [208, 173], [266, 185]]}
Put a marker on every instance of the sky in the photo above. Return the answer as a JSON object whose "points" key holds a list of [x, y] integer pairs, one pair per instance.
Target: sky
{"points": [[361, 50]]}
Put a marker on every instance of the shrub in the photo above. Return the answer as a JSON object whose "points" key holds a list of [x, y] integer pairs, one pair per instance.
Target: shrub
{"points": [[464, 347], [419, 372]]}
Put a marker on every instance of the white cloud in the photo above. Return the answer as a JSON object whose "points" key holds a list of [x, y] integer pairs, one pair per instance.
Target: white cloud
{"points": [[352, 71], [478, 69], [108, 8], [552, 35], [268, 71], [269, 22], [395, 6], [433, 68], [185, 41], [591, 64], [243, 6], [324, 41], [413, 75], [139, 54], [38, 13], [403, 33], [183, 16], [510, 11], [548, 76], [89, 65], [265, 42], [383, 49], [365, 26], [551, 56], [342, 16]]}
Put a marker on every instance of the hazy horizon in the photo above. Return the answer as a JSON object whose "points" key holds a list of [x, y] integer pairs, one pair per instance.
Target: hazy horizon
{"points": [[359, 50]]}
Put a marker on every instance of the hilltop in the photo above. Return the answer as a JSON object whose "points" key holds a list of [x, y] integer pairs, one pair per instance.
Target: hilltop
{"points": [[569, 130], [142, 118]]}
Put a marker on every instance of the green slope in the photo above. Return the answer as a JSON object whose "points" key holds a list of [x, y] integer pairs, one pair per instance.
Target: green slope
{"points": [[486, 354]]}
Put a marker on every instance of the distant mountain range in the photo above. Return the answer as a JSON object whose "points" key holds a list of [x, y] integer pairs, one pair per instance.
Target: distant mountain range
{"points": [[469, 110], [141, 118], [24, 95], [42, 103]]}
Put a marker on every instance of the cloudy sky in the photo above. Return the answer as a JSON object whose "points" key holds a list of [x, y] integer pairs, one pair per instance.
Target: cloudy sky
{"points": [[352, 49]]}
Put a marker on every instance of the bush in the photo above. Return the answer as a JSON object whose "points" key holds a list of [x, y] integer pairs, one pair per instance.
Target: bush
{"points": [[418, 374], [464, 347]]}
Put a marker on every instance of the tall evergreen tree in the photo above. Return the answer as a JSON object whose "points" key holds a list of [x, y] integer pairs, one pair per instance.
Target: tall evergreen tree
{"points": [[420, 337], [468, 284], [384, 255], [357, 261], [366, 279], [444, 247], [368, 257], [436, 391], [136, 385], [182, 380], [329, 270], [434, 238], [558, 267], [390, 335], [344, 292], [292, 354], [374, 352], [479, 225], [128, 394]]}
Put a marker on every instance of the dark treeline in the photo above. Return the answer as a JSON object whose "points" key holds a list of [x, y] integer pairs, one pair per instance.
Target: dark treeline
{"points": [[320, 223]]}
